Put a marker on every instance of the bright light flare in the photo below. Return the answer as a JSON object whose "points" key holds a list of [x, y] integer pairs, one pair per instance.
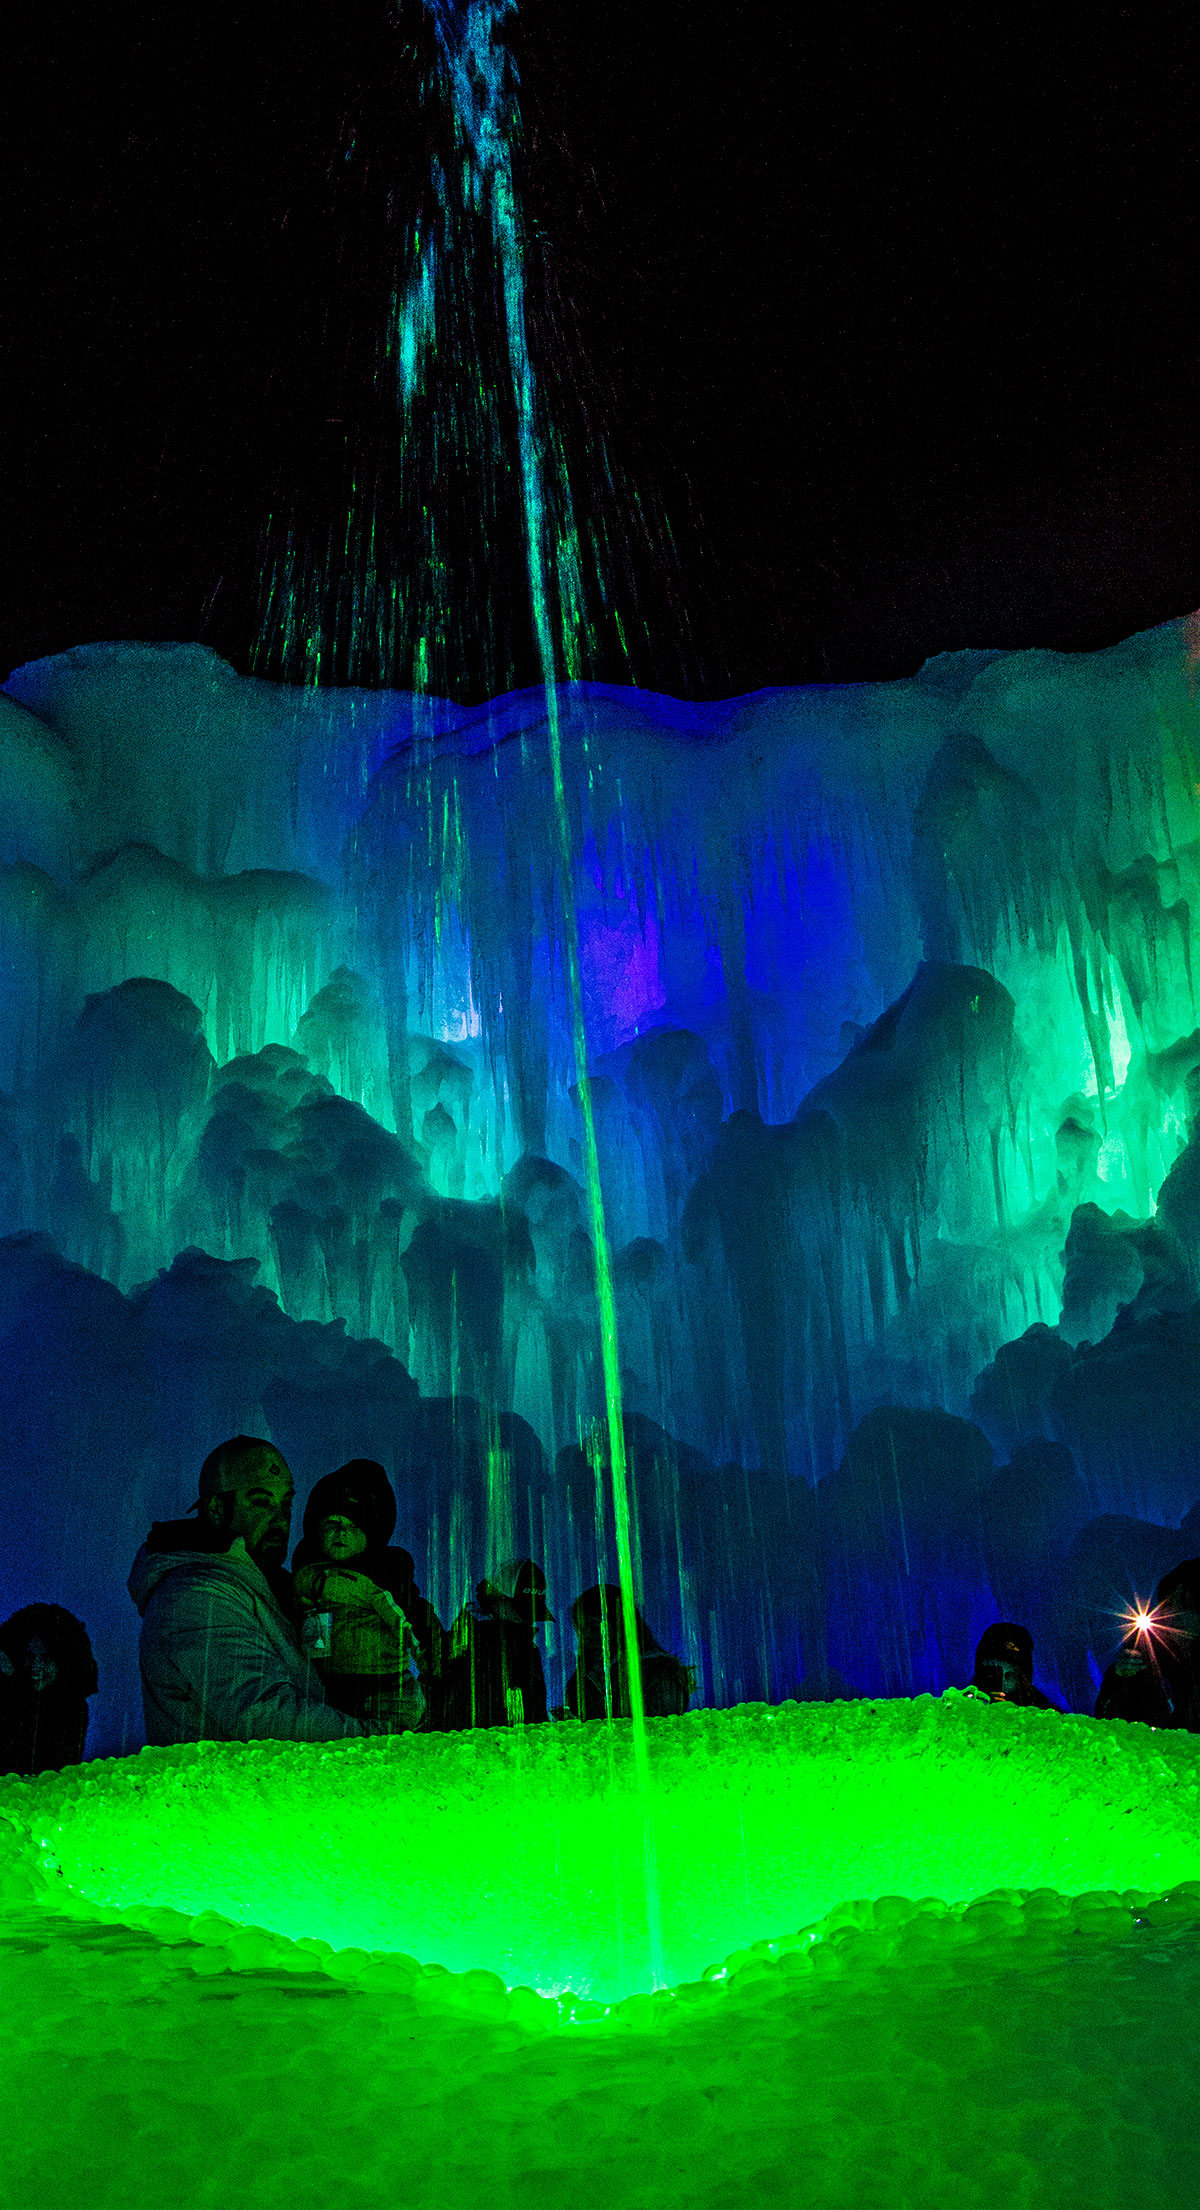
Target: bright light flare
{"points": [[1152, 1624]]}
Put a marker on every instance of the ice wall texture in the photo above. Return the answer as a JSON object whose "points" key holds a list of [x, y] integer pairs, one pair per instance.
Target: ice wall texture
{"points": [[889, 996]]}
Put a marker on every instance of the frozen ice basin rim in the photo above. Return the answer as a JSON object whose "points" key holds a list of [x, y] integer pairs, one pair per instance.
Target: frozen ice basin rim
{"points": [[521, 1855], [965, 1969]]}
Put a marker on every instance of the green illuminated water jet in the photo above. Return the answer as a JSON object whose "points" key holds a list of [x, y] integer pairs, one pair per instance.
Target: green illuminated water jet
{"points": [[481, 72]]}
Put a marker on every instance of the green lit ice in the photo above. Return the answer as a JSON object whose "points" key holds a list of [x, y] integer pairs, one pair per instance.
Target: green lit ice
{"points": [[415, 1970]]}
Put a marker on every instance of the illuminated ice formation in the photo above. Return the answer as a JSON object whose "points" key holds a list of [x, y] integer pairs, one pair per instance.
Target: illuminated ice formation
{"points": [[163, 2036], [889, 998], [763, 877]]}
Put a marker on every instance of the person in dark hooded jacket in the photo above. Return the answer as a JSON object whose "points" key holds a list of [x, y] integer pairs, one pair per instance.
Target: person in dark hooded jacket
{"points": [[494, 1677], [348, 1521], [599, 1686], [47, 1673], [1004, 1667], [1155, 1676]]}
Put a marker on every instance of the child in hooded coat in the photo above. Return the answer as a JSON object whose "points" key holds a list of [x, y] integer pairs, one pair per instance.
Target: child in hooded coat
{"points": [[359, 1604]]}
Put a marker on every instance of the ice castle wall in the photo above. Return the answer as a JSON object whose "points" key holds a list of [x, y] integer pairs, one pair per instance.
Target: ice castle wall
{"points": [[891, 1020]]}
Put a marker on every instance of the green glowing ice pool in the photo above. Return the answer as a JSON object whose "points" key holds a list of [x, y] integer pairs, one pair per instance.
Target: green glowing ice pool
{"points": [[522, 1853], [417, 1971]]}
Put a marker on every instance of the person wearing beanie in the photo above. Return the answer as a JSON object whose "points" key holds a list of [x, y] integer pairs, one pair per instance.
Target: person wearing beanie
{"points": [[1004, 1667]]}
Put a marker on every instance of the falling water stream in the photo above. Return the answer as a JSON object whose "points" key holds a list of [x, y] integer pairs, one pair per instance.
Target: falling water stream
{"points": [[481, 77]]}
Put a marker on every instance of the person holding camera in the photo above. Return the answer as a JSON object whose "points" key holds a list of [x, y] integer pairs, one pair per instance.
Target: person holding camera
{"points": [[1004, 1668]]}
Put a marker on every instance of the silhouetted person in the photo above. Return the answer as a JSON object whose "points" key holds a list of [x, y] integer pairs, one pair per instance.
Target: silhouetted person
{"points": [[47, 1673], [494, 1677], [599, 1685], [219, 1652], [1004, 1667], [360, 1495], [1155, 1676]]}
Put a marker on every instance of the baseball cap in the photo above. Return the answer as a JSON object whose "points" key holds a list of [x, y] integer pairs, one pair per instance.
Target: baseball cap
{"points": [[522, 1583], [237, 1464]]}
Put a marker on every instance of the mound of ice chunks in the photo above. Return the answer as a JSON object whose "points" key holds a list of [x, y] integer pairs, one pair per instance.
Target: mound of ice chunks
{"points": [[1025, 2047], [521, 1853]]}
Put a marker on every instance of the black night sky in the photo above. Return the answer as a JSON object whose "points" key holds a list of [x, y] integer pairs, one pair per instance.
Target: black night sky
{"points": [[893, 315]]}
